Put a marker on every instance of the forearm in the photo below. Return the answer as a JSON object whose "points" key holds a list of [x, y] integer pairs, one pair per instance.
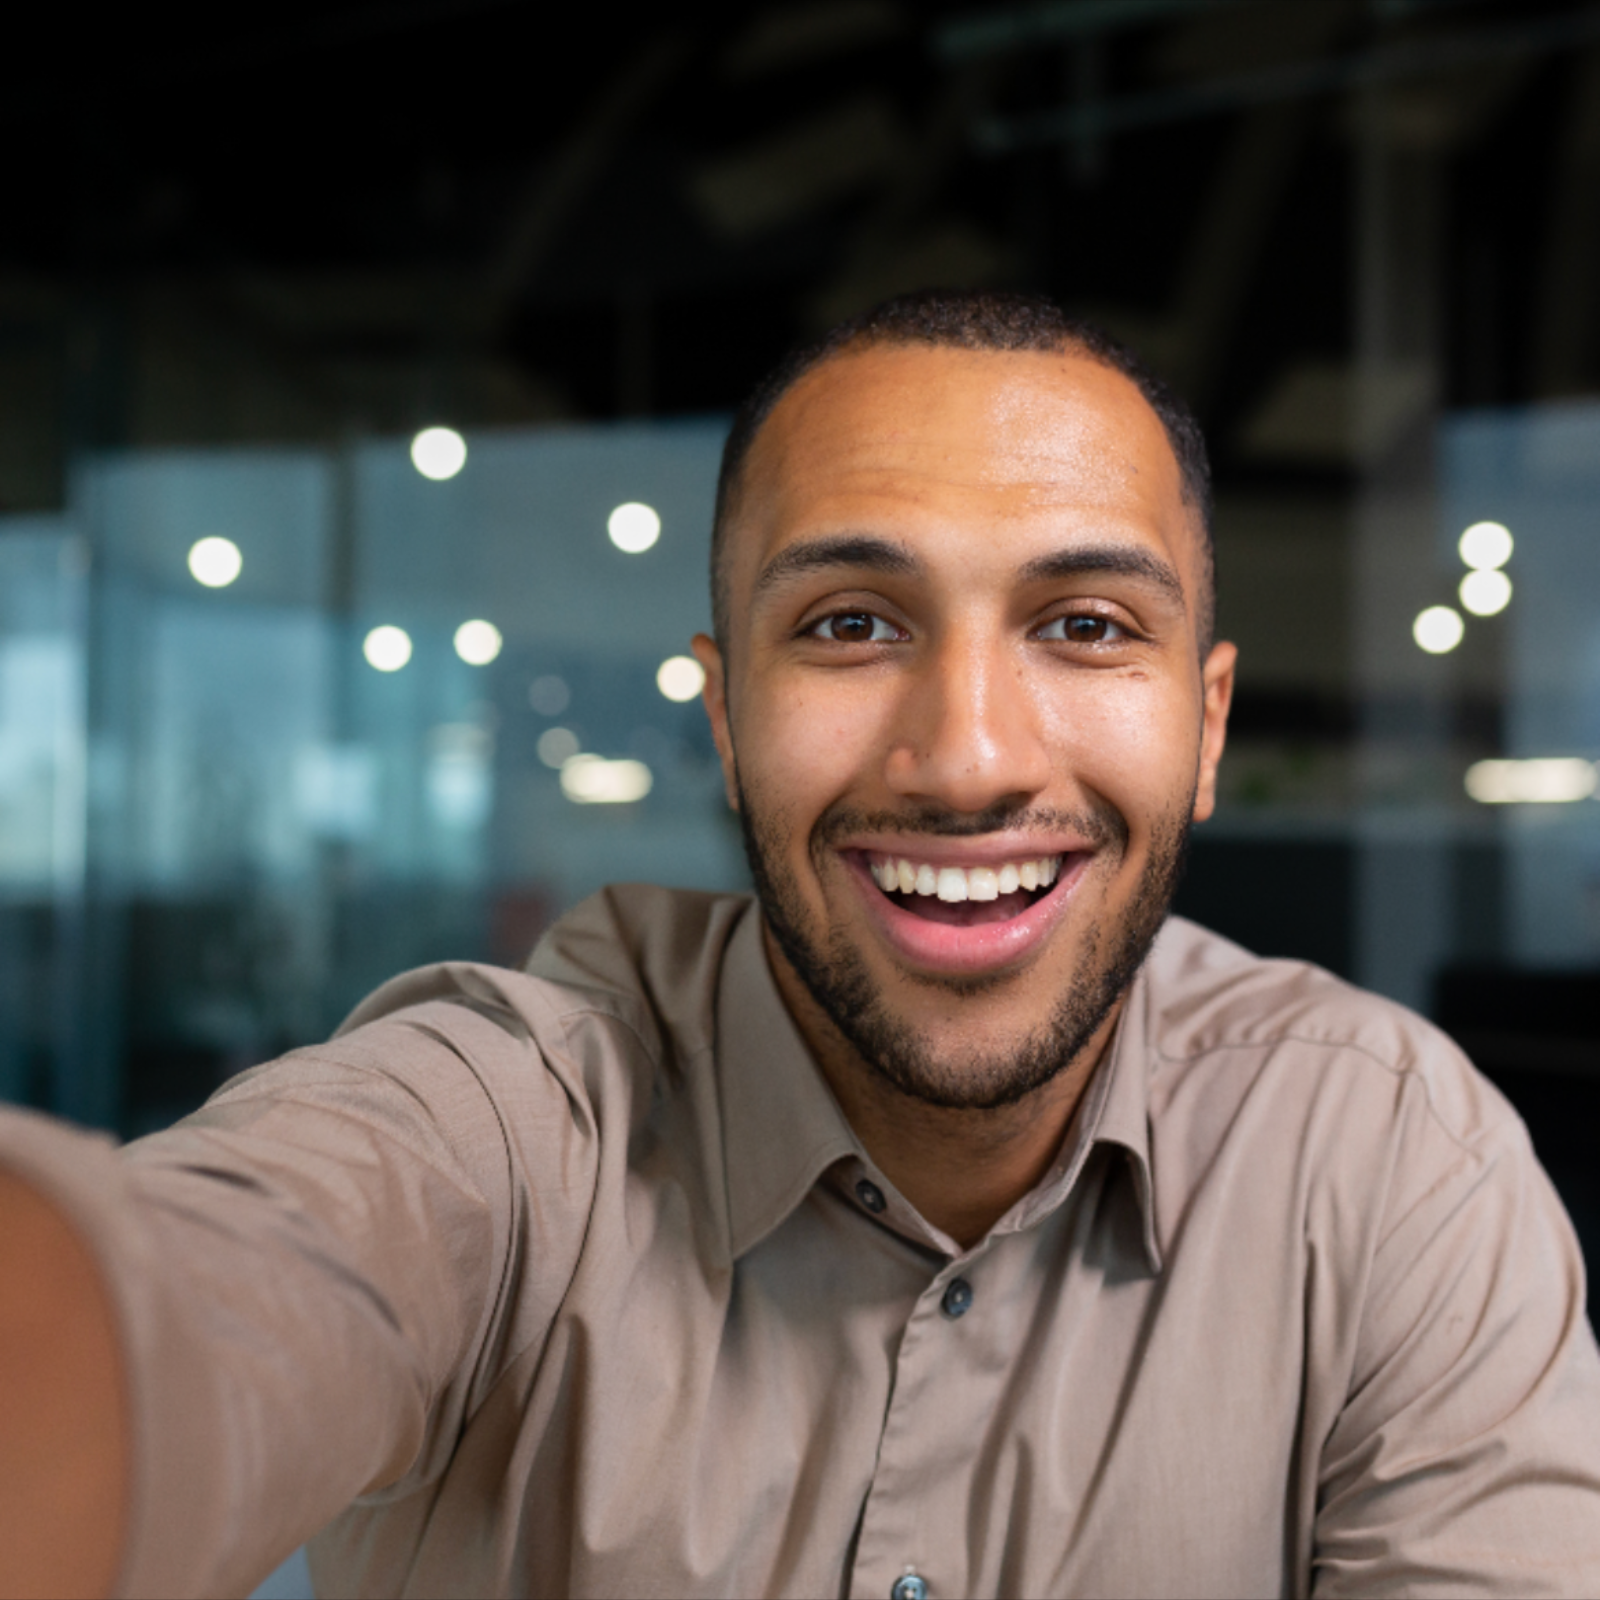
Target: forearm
{"points": [[64, 1446]]}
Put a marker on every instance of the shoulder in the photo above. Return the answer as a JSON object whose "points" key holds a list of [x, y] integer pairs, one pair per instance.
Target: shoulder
{"points": [[621, 988], [650, 954], [1215, 1012], [1330, 1128]]}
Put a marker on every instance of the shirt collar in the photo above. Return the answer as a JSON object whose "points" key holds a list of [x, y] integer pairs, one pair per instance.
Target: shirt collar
{"points": [[782, 1128], [1124, 1111]]}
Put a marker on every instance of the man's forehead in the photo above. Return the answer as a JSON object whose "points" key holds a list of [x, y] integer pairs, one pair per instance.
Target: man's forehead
{"points": [[1016, 432], [1045, 425]]}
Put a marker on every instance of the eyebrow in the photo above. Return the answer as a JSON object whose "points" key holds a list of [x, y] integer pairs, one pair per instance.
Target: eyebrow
{"points": [[1119, 560], [868, 553], [863, 551]]}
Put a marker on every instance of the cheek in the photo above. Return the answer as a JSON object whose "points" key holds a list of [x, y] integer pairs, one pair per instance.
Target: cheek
{"points": [[804, 749], [1129, 740]]}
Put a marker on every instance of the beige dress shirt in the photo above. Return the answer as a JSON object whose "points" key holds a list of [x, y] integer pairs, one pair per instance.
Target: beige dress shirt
{"points": [[578, 1283]]}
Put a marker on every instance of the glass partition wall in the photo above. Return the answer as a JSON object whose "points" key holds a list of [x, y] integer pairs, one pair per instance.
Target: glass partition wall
{"points": [[277, 724]]}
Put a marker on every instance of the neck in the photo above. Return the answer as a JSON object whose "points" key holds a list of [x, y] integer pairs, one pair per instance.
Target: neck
{"points": [[962, 1169]]}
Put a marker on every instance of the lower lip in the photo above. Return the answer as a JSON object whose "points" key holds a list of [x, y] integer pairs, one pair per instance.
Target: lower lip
{"points": [[982, 948]]}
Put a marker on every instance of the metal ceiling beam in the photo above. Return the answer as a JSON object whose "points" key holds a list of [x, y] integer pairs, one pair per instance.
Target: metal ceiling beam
{"points": [[1387, 64]]}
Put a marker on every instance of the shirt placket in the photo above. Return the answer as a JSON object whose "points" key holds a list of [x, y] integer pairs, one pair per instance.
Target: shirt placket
{"points": [[913, 1525]]}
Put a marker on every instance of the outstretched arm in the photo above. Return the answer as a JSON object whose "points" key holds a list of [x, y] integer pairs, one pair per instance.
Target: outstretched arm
{"points": [[218, 1338], [63, 1423]]}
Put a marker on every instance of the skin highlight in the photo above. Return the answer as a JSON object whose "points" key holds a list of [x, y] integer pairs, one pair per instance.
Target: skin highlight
{"points": [[967, 600]]}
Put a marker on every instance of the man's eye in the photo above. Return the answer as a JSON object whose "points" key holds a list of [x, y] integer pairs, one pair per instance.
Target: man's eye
{"points": [[854, 627], [1083, 629]]}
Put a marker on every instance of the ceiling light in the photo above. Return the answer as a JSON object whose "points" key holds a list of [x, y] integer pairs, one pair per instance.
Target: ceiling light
{"points": [[387, 648], [1486, 545], [215, 561], [592, 780], [680, 678], [1438, 629], [478, 642], [634, 527], [1549, 780], [1485, 592], [438, 453]]}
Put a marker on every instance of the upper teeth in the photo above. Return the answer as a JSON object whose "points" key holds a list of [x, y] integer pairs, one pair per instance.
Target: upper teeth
{"points": [[965, 883]]}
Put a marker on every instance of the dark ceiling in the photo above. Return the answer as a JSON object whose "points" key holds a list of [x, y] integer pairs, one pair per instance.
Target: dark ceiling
{"points": [[625, 210]]}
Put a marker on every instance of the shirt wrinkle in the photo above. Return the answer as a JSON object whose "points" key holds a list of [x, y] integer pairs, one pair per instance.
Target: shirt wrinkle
{"points": [[477, 994], [368, 1129]]}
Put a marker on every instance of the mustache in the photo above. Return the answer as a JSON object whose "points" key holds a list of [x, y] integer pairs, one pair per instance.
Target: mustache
{"points": [[1100, 824]]}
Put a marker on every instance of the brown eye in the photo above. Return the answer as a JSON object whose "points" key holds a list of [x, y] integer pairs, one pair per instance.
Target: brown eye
{"points": [[1083, 629], [854, 627]]}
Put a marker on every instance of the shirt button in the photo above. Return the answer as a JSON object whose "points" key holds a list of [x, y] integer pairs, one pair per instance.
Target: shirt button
{"points": [[957, 1297], [909, 1586], [871, 1196]]}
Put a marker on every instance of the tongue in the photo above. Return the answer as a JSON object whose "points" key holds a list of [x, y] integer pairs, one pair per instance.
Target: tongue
{"points": [[968, 913]]}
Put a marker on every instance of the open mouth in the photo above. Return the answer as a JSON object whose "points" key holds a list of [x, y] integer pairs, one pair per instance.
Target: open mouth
{"points": [[964, 897]]}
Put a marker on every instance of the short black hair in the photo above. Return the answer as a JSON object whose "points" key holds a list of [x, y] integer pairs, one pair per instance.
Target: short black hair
{"points": [[968, 319]]}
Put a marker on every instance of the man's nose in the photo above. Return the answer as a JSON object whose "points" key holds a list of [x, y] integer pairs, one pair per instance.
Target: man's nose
{"points": [[968, 734]]}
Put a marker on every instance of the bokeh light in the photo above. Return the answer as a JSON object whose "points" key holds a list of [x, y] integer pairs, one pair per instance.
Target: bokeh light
{"points": [[1486, 545], [438, 453], [557, 746], [592, 780], [1438, 629], [1546, 780], [1485, 592], [215, 561], [478, 642], [549, 695], [634, 527], [680, 678], [387, 648]]}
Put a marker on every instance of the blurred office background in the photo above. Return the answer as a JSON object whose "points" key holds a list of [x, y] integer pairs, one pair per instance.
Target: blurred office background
{"points": [[292, 695]]}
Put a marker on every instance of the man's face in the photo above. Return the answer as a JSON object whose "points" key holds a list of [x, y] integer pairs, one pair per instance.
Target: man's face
{"points": [[965, 590]]}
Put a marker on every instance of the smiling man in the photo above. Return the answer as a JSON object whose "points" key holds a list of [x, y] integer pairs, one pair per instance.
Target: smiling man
{"points": [[973, 708], [945, 1221]]}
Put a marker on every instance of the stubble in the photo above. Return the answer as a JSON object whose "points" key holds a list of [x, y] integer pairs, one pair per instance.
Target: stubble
{"points": [[894, 1048]]}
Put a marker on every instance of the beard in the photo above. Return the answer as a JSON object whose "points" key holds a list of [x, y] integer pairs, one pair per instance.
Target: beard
{"points": [[893, 1048]]}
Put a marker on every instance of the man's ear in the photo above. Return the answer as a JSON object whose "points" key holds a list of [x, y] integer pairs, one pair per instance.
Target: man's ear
{"points": [[715, 698], [1217, 680]]}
